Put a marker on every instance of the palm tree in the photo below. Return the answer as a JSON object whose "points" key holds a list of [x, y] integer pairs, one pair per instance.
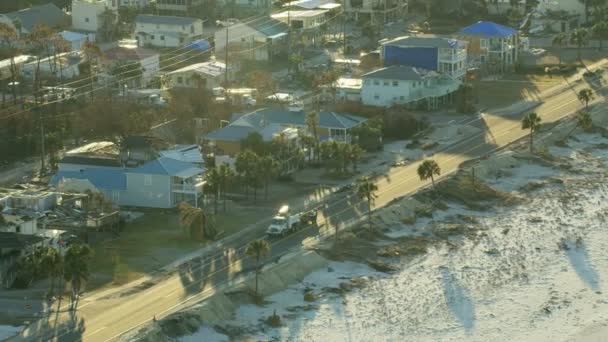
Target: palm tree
{"points": [[2, 219], [532, 122], [366, 189], [196, 222], [10, 39], [356, 153], [226, 175], [600, 31], [92, 52], [269, 169], [257, 249], [560, 40], [585, 96], [584, 120], [429, 169], [245, 165], [312, 122], [212, 177], [52, 262], [76, 268], [580, 38]]}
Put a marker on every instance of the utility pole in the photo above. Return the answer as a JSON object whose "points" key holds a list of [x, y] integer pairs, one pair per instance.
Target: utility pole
{"points": [[226, 59], [42, 147], [344, 25]]}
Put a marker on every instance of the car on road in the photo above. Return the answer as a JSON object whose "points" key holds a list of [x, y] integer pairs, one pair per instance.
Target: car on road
{"points": [[285, 222]]}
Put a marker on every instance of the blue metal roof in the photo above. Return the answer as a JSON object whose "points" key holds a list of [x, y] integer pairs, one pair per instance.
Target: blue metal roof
{"points": [[167, 166], [488, 29], [109, 179], [257, 120]]}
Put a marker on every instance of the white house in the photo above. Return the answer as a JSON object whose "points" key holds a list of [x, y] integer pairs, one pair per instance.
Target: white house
{"points": [[127, 54], [76, 40], [260, 39], [406, 85], [375, 10], [305, 23], [134, 3], [166, 31], [63, 66], [574, 7], [177, 5], [87, 15], [19, 224], [209, 75], [348, 89]]}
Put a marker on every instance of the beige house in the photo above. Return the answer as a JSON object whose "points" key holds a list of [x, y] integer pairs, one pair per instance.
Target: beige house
{"points": [[377, 11], [206, 75], [260, 39]]}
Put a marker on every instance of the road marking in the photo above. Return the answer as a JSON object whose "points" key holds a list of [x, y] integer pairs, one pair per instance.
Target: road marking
{"points": [[94, 332], [391, 186]]}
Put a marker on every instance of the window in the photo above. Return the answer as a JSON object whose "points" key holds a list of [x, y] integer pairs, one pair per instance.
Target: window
{"points": [[180, 80], [162, 37], [152, 37], [366, 82], [86, 20], [376, 97], [385, 83], [181, 40], [395, 83], [192, 29], [183, 28], [147, 180], [483, 43], [401, 98], [376, 82], [414, 85]]}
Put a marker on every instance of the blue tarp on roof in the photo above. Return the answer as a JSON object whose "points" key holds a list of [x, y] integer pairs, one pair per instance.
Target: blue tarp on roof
{"points": [[488, 29], [107, 179], [200, 45]]}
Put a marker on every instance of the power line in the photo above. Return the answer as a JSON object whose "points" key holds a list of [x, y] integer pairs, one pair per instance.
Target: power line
{"points": [[133, 77]]}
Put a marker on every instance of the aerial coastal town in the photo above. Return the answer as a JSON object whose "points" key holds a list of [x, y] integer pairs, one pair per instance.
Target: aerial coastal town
{"points": [[303, 170]]}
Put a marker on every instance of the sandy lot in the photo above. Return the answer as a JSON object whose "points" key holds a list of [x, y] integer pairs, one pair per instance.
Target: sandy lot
{"points": [[534, 271]]}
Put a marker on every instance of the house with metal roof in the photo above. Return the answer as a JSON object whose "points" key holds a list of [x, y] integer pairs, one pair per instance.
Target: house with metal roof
{"points": [[444, 55], [167, 31], [144, 173], [492, 47], [271, 122], [260, 39], [24, 21], [407, 86], [205, 75]]}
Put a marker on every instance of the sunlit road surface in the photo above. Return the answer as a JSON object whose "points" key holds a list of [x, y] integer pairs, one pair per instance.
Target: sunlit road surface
{"points": [[106, 319]]}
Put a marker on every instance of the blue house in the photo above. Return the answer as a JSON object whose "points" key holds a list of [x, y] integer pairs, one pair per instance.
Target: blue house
{"points": [[160, 183], [447, 56]]}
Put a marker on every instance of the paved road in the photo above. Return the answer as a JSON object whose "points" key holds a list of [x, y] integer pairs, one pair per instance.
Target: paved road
{"points": [[103, 319]]}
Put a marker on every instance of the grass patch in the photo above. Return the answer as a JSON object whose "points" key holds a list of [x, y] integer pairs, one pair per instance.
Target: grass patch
{"points": [[462, 188], [156, 240], [424, 212], [409, 220]]}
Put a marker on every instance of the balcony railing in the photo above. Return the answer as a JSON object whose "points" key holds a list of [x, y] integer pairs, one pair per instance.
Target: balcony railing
{"points": [[451, 57], [187, 187]]}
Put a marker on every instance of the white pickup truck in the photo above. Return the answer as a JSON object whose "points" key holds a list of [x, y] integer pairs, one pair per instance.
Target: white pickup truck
{"points": [[283, 222]]}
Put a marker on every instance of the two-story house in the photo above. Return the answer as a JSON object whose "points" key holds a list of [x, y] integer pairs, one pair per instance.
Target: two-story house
{"points": [[270, 122], [94, 16], [305, 24], [491, 46], [158, 182], [260, 39], [409, 86], [177, 6], [131, 65], [448, 56], [166, 31], [377, 11], [206, 75], [25, 20]]}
